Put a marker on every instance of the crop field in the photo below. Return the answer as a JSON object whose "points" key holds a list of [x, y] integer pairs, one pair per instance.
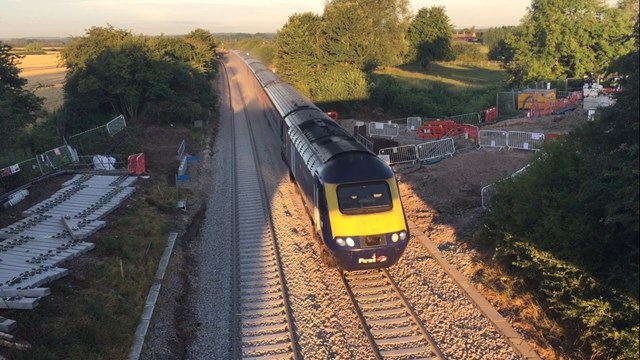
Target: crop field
{"points": [[45, 77]]}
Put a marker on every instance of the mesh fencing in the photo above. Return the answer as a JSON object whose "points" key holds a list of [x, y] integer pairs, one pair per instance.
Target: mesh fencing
{"points": [[414, 122], [399, 154], [436, 149], [99, 140], [383, 130], [492, 138], [525, 140], [116, 125], [507, 104]]}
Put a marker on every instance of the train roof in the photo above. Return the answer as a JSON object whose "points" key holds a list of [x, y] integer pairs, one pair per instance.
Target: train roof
{"points": [[286, 99], [357, 167], [326, 137]]}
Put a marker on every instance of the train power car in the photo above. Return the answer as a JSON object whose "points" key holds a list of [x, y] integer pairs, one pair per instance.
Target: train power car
{"points": [[351, 194]]}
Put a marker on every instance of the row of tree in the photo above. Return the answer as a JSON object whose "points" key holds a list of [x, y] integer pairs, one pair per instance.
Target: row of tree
{"points": [[110, 72], [555, 40]]}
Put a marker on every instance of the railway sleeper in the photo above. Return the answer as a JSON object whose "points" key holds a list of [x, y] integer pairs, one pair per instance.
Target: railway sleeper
{"points": [[262, 305], [267, 275], [379, 305], [280, 327], [271, 338], [392, 331], [398, 313], [409, 341], [279, 310], [261, 282], [267, 351], [253, 323], [411, 353], [260, 290]]}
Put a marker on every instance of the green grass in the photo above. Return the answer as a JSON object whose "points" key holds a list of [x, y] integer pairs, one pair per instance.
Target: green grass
{"points": [[455, 77]]}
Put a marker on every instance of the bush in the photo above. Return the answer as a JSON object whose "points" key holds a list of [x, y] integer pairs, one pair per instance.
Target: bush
{"points": [[467, 52]]}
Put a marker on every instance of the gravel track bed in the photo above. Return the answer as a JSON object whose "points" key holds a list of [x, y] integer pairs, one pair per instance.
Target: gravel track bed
{"points": [[325, 322]]}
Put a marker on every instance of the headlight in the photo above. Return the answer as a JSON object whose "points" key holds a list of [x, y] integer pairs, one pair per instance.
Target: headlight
{"points": [[403, 235], [340, 242], [350, 242], [394, 237]]}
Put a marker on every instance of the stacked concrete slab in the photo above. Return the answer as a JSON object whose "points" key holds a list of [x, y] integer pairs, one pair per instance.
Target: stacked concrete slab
{"points": [[52, 232]]}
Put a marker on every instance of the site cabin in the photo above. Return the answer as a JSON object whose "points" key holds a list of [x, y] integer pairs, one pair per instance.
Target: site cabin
{"points": [[531, 98]]}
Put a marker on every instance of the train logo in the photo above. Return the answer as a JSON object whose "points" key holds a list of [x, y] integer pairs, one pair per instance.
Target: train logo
{"points": [[372, 260]]}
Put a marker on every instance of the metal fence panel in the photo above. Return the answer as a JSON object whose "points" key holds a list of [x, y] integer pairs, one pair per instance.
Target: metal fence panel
{"points": [[116, 125], [471, 118], [19, 174], [384, 130], [493, 138], [414, 122], [525, 140], [364, 141], [400, 154], [486, 193], [60, 156], [507, 103], [436, 149]]}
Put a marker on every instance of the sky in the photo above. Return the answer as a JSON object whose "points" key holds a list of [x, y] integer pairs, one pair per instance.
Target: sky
{"points": [[62, 18]]}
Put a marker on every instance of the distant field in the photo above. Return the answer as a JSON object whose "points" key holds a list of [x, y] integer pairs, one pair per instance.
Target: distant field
{"points": [[459, 77], [45, 77]]}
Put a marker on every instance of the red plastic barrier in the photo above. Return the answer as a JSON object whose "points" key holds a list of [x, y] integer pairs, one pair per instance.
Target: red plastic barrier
{"points": [[136, 164], [333, 115], [490, 114], [435, 130]]}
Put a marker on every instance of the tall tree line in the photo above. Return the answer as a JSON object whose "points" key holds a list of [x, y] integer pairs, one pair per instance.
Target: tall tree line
{"points": [[110, 72]]}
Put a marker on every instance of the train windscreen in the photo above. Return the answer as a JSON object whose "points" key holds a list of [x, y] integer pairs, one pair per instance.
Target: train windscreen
{"points": [[364, 198]]}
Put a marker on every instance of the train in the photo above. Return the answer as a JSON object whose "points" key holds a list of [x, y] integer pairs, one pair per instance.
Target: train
{"points": [[350, 194]]}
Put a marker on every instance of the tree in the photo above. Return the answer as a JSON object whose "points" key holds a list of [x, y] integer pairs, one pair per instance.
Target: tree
{"points": [[298, 56], [561, 39], [365, 33], [496, 40], [18, 107], [429, 36], [203, 54], [82, 49], [131, 74]]}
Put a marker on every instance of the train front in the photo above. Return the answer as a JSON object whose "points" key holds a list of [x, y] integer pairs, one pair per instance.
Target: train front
{"points": [[363, 222]]}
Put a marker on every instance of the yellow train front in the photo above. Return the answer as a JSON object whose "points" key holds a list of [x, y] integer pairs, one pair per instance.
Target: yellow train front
{"points": [[362, 222], [350, 194]]}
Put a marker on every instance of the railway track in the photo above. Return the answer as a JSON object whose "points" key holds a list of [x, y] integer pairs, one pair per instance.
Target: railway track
{"points": [[392, 327], [262, 326]]}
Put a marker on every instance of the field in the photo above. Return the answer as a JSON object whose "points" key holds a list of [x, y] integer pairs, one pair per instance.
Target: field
{"points": [[45, 77], [455, 76]]}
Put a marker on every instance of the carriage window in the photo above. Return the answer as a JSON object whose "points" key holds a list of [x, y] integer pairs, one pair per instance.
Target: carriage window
{"points": [[364, 198]]}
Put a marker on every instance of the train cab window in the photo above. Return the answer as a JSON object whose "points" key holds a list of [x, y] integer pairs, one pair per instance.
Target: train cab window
{"points": [[364, 198]]}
